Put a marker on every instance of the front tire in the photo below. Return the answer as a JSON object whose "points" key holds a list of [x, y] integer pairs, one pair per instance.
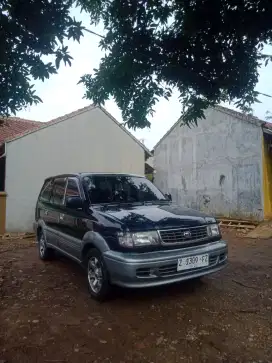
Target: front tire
{"points": [[45, 253], [97, 276]]}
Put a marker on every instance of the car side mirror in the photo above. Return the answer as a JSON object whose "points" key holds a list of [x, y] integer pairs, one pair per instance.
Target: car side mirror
{"points": [[168, 196], [74, 203]]}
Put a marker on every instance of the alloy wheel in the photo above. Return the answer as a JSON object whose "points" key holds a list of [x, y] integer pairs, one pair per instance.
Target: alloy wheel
{"points": [[42, 245], [95, 275]]}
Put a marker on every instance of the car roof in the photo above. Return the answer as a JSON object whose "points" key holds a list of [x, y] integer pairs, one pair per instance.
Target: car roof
{"points": [[73, 175]]}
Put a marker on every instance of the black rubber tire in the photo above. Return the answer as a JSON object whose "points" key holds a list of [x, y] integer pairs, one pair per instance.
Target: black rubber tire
{"points": [[47, 253], [106, 288]]}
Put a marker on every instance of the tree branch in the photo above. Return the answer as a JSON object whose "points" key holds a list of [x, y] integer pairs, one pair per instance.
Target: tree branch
{"points": [[94, 33], [264, 94]]}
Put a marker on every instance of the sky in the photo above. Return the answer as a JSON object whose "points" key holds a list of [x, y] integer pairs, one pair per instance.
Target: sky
{"points": [[61, 94]]}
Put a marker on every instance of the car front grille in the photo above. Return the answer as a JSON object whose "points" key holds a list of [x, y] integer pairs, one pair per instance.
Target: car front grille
{"points": [[183, 235]]}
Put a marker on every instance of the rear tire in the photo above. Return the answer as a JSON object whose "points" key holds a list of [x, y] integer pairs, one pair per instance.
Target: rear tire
{"points": [[97, 276], [45, 253]]}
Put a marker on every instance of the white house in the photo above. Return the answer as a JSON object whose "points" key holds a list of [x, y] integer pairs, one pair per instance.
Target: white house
{"points": [[89, 139], [223, 166]]}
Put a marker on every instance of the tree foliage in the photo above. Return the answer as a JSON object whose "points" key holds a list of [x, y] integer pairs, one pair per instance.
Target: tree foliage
{"points": [[32, 45], [209, 50], [268, 116]]}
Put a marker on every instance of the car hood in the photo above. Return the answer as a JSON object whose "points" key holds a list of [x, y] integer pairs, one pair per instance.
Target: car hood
{"points": [[146, 217]]}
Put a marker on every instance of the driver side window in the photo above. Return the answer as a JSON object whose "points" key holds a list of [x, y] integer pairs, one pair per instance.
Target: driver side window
{"points": [[57, 195], [46, 191], [72, 189]]}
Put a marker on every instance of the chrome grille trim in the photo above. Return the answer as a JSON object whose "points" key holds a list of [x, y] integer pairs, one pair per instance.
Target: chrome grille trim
{"points": [[176, 236]]}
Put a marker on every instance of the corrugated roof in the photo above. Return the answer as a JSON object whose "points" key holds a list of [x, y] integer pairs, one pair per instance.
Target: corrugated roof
{"points": [[15, 126]]}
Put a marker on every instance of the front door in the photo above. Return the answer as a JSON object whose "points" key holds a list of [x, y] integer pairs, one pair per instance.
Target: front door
{"points": [[55, 209], [72, 222], [46, 212]]}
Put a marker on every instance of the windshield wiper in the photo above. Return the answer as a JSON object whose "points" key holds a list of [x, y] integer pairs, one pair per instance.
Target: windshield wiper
{"points": [[159, 201], [119, 204], [131, 204]]}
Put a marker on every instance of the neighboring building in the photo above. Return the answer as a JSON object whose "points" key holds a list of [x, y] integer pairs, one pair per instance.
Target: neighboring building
{"points": [[223, 166], [149, 168], [89, 139], [10, 128]]}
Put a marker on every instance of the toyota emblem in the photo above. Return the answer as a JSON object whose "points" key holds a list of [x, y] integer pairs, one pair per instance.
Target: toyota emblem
{"points": [[187, 234]]}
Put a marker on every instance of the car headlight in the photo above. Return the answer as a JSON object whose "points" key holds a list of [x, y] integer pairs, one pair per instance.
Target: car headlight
{"points": [[210, 219], [213, 230], [138, 239]]}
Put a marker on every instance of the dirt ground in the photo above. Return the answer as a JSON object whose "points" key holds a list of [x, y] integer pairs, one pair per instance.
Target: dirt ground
{"points": [[46, 314]]}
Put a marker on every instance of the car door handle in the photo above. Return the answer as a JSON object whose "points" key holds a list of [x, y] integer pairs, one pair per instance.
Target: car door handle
{"points": [[61, 217]]}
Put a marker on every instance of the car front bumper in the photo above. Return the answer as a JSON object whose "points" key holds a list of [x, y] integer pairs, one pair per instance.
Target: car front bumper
{"points": [[137, 270]]}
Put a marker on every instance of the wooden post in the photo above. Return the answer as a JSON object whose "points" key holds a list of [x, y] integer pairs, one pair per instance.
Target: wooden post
{"points": [[3, 197]]}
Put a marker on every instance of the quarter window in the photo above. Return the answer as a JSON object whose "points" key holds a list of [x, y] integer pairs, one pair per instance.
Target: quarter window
{"points": [[58, 191], [46, 191]]}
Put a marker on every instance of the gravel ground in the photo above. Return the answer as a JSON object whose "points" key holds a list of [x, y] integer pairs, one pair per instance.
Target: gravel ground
{"points": [[46, 314]]}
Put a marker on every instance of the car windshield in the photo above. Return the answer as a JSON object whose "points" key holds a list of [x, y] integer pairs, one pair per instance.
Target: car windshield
{"points": [[120, 189]]}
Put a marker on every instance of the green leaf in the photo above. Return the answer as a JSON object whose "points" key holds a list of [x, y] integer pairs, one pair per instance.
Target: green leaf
{"points": [[208, 51], [58, 59], [26, 35]]}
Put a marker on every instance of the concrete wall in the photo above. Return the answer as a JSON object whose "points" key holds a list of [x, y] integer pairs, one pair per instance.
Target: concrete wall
{"points": [[215, 167], [90, 141], [267, 176]]}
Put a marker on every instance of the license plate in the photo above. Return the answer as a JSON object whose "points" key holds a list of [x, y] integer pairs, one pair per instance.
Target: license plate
{"points": [[189, 262]]}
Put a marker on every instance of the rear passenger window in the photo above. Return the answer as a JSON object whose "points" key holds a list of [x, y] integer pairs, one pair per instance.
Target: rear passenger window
{"points": [[72, 189], [46, 191], [58, 191]]}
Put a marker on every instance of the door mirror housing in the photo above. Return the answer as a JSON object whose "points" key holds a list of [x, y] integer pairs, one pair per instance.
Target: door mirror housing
{"points": [[168, 196], [74, 203]]}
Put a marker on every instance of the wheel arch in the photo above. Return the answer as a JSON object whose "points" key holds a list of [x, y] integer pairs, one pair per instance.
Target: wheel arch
{"points": [[93, 240], [40, 228]]}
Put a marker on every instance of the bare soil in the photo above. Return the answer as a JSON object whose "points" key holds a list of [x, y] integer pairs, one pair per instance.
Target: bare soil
{"points": [[46, 314]]}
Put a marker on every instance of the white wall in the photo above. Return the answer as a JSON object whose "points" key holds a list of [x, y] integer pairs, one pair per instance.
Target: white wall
{"points": [[215, 167], [90, 141]]}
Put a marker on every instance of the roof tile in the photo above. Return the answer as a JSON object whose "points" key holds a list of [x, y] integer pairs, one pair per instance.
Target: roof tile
{"points": [[15, 126], [39, 125]]}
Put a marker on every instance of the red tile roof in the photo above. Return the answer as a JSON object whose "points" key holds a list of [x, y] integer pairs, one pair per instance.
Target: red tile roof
{"points": [[30, 126], [15, 126]]}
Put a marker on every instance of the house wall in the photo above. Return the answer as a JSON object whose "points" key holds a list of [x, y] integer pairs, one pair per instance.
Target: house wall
{"points": [[215, 167], [267, 175], [90, 141]]}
